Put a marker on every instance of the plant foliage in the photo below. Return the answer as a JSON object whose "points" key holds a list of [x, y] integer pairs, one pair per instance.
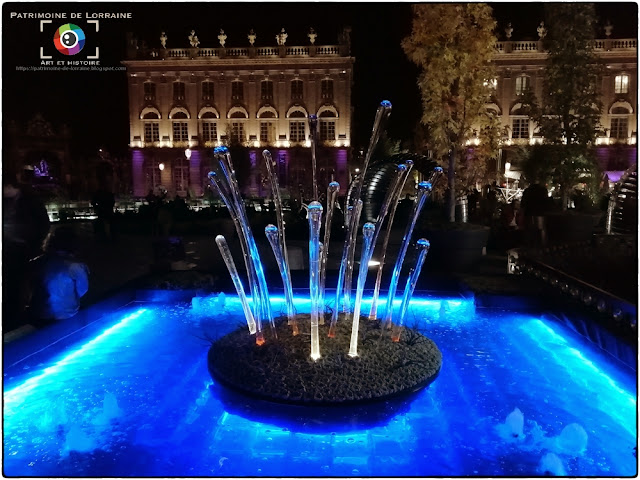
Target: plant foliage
{"points": [[453, 45]]}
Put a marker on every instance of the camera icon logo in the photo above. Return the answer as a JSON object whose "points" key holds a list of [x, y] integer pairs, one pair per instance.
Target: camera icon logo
{"points": [[69, 39]]}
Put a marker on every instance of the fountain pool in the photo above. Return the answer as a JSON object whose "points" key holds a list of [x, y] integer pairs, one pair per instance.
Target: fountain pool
{"points": [[135, 399]]}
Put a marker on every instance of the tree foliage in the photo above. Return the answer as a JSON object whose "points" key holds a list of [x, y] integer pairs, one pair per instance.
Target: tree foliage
{"points": [[568, 113], [570, 106], [453, 44]]}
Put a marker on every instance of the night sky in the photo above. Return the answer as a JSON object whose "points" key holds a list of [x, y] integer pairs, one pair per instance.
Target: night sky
{"points": [[94, 104]]}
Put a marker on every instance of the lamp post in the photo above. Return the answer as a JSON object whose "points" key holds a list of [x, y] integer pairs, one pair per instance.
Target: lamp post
{"points": [[507, 167]]}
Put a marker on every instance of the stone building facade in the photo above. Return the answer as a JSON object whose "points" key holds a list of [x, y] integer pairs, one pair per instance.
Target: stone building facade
{"points": [[183, 102], [520, 65]]}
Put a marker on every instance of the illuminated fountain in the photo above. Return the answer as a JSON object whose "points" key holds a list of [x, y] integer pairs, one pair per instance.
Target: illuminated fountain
{"points": [[350, 358]]}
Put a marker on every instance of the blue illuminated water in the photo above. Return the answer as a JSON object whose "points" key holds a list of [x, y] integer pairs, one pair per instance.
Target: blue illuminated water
{"points": [[137, 400]]}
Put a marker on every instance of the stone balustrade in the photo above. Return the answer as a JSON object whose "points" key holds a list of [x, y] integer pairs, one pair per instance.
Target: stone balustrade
{"points": [[241, 52], [600, 45]]}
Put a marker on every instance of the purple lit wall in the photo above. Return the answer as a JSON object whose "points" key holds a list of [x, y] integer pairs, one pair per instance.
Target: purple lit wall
{"points": [[342, 170], [195, 178], [137, 167]]}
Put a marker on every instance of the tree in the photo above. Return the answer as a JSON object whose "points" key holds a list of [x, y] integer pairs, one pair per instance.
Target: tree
{"points": [[453, 44], [568, 117]]}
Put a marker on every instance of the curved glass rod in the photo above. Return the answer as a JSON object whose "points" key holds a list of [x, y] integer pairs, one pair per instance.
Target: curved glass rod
{"points": [[235, 277], [422, 246], [367, 233]]}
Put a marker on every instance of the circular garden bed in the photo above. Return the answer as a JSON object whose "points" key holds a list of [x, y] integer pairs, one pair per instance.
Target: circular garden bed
{"points": [[281, 369]]}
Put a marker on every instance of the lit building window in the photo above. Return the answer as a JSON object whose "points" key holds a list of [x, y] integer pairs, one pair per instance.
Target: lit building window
{"points": [[237, 132], [523, 83], [209, 131], [326, 89], [296, 131], [296, 89], [151, 132], [149, 91], [520, 128], [180, 132], [492, 84], [237, 91], [267, 132], [327, 130], [619, 128], [181, 175], [207, 91], [266, 90], [209, 127], [178, 91], [621, 84], [151, 128]]}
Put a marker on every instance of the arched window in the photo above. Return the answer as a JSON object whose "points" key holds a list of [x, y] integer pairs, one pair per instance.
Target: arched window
{"points": [[620, 113], [237, 112], [209, 122], [519, 123], [267, 112], [150, 117], [297, 129], [180, 127], [327, 124], [267, 125]]}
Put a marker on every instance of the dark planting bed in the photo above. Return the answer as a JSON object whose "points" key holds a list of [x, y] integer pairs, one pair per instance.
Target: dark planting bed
{"points": [[281, 369]]}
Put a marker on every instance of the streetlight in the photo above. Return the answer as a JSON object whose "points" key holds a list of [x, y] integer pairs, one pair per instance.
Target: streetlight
{"points": [[161, 166], [187, 153], [507, 167]]}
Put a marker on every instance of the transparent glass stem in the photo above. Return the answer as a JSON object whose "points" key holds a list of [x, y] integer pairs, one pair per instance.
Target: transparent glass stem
{"points": [[367, 233], [231, 266], [332, 195], [424, 189], [223, 190], [385, 243], [422, 246], [314, 212], [271, 231], [379, 125], [343, 264], [277, 201], [313, 134], [238, 210]]}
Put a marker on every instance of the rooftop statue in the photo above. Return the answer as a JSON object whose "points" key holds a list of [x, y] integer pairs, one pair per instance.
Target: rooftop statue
{"points": [[281, 38], [252, 37], [222, 37], [312, 35], [508, 30], [193, 39]]}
